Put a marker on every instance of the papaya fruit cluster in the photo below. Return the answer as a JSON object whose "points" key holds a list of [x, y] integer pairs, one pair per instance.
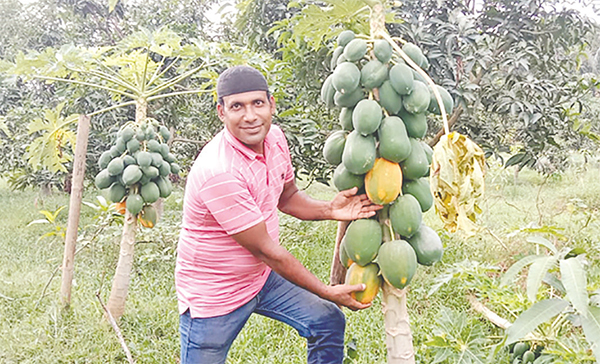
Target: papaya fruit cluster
{"points": [[383, 105], [522, 352], [135, 170]]}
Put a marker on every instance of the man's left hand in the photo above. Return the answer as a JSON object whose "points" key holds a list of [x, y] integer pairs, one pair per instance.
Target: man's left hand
{"points": [[347, 205]]}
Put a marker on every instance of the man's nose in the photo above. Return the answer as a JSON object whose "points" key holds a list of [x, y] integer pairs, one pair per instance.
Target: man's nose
{"points": [[250, 114]]}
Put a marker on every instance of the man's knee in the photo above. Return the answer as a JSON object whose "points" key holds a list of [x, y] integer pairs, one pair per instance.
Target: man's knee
{"points": [[331, 318]]}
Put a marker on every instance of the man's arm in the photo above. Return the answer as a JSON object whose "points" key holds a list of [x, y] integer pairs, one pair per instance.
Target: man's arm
{"points": [[259, 243], [345, 206]]}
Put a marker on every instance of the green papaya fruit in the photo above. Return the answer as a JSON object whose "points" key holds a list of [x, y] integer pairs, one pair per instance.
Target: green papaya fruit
{"points": [[406, 215], [366, 116], [447, 100], [416, 165], [150, 192], [346, 78], [382, 50], [427, 245], [327, 92], [103, 179], [337, 52], [345, 37], [344, 180], [416, 124], [415, 53], [418, 100], [398, 263], [420, 189], [362, 240], [389, 98], [116, 166], [334, 147], [116, 192], [355, 49], [132, 174], [104, 159], [359, 153], [346, 119], [134, 204], [402, 79], [394, 144], [349, 99], [373, 74]]}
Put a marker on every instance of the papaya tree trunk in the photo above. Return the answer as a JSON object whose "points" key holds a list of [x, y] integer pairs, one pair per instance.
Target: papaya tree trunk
{"points": [[397, 327], [83, 130], [120, 286]]}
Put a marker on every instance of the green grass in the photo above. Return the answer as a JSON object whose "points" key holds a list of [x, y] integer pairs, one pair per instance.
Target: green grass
{"points": [[34, 328]]}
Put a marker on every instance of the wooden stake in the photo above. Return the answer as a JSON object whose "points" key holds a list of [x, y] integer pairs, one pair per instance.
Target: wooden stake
{"points": [[338, 272], [115, 327], [83, 130]]}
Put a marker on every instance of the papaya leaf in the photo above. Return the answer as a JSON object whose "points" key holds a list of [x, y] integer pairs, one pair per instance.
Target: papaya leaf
{"points": [[48, 150], [574, 279], [536, 273], [591, 329], [540, 312], [511, 273], [536, 239], [457, 182]]}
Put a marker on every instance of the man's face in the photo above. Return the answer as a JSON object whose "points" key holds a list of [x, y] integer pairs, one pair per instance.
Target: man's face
{"points": [[248, 116]]}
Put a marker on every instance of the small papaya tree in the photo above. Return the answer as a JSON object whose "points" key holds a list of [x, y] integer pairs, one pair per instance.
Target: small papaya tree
{"points": [[141, 68]]}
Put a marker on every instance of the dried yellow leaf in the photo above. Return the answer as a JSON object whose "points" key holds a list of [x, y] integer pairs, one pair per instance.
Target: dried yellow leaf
{"points": [[457, 182]]}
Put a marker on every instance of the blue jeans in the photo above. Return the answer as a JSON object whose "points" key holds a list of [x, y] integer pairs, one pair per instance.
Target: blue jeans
{"points": [[322, 323]]}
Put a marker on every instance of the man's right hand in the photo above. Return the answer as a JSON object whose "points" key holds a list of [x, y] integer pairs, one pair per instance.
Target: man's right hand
{"points": [[342, 295]]}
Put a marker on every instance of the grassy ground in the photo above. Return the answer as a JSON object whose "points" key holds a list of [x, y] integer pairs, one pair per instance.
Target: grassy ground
{"points": [[34, 329]]}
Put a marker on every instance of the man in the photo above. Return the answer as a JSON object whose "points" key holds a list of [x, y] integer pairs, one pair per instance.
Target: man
{"points": [[229, 262]]}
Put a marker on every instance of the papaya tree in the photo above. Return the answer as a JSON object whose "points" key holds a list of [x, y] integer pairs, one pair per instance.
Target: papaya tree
{"points": [[138, 70]]}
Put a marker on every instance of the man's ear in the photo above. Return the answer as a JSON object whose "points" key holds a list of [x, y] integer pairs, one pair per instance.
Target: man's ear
{"points": [[273, 105], [220, 112]]}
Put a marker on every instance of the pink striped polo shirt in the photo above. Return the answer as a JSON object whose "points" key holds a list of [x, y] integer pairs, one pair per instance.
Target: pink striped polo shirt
{"points": [[230, 188]]}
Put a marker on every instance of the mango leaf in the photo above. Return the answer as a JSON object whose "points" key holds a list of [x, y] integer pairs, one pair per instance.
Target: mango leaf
{"points": [[540, 312], [4, 127], [536, 273], [574, 252], [543, 242], [551, 280], [591, 329], [574, 279], [511, 273]]}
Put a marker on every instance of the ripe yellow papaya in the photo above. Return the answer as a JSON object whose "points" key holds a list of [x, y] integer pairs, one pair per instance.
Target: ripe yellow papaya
{"points": [[383, 183], [369, 275]]}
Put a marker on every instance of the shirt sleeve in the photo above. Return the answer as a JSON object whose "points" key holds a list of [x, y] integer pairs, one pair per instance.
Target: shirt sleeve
{"points": [[230, 203], [289, 170]]}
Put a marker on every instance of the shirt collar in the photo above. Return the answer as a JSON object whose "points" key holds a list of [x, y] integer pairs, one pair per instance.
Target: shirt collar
{"points": [[249, 153]]}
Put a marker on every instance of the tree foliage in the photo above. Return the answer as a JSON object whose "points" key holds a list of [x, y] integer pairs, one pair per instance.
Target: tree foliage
{"points": [[515, 67]]}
